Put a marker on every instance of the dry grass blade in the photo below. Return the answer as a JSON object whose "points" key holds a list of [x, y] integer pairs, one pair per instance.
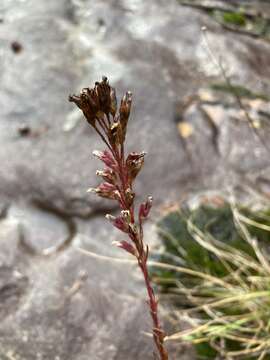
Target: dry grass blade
{"points": [[229, 312]]}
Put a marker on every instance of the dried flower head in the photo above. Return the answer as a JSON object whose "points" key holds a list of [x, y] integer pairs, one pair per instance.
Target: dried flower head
{"points": [[88, 102]]}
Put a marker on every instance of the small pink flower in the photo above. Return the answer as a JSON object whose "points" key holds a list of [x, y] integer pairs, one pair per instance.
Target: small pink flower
{"points": [[125, 245], [108, 175], [121, 222], [106, 157], [106, 190]]}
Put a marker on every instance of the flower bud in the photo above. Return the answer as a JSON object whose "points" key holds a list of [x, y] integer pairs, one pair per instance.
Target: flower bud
{"points": [[119, 222], [124, 112], [125, 106], [145, 208], [108, 175], [106, 187], [125, 245], [113, 108], [106, 157], [106, 190]]}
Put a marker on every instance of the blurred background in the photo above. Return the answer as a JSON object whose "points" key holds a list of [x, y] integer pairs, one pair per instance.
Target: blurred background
{"points": [[199, 72]]}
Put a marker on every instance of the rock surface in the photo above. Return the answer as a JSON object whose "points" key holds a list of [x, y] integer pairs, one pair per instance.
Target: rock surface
{"points": [[156, 49]]}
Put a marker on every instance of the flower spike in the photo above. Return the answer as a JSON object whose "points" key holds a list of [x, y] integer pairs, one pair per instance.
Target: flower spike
{"points": [[99, 106]]}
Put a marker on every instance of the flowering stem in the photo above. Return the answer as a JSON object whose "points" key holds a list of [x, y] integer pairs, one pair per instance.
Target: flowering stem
{"points": [[99, 108], [158, 333]]}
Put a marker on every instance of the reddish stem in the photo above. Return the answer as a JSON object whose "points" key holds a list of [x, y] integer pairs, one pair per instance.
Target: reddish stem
{"points": [[158, 333]]}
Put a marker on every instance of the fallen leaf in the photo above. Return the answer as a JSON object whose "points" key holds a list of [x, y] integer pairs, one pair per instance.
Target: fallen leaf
{"points": [[256, 124], [185, 129]]}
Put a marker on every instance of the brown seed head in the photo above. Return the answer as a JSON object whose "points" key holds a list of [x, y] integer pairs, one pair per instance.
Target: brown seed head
{"points": [[87, 101], [96, 102], [103, 92], [134, 164]]}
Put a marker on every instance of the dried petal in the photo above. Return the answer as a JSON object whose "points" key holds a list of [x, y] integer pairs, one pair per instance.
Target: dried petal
{"points": [[134, 164], [133, 156], [110, 217], [93, 190], [125, 106]]}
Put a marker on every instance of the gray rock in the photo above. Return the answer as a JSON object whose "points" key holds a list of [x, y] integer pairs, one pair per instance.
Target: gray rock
{"points": [[155, 49]]}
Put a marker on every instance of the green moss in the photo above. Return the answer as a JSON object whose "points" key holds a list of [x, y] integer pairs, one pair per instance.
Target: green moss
{"points": [[234, 18]]}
